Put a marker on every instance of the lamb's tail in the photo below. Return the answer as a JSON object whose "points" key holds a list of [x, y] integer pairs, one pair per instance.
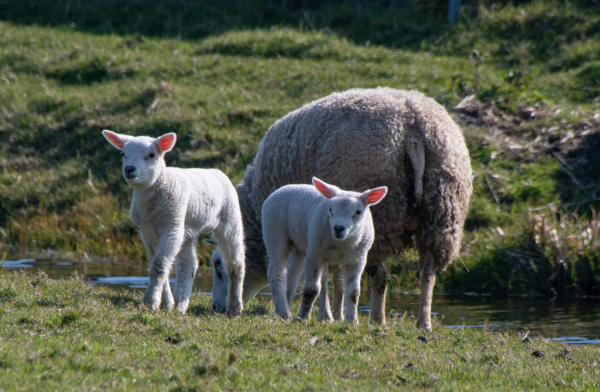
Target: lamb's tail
{"points": [[416, 154]]}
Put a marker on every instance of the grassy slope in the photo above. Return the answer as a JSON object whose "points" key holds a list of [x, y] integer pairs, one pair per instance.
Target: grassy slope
{"points": [[60, 183], [67, 335]]}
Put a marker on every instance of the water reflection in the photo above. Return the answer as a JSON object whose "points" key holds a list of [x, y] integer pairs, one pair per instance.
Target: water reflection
{"points": [[570, 322]]}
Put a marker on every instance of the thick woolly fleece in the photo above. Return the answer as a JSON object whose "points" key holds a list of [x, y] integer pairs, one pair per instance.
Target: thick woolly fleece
{"points": [[360, 139]]}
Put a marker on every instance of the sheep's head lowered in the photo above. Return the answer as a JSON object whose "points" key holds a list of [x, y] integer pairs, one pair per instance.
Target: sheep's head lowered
{"points": [[143, 157], [220, 279]]}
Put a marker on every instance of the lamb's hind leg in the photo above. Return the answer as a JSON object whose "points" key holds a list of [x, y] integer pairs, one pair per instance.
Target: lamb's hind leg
{"points": [[324, 310], [167, 297], [313, 269], [186, 264], [338, 293], [233, 257], [294, 272], [378, 278], [352, 275], [427, 274]]}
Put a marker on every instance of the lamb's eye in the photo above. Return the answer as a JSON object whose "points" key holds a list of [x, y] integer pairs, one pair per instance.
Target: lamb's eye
{"points": [[151, 155], [331, 212], [217, 263], [358, 212]]}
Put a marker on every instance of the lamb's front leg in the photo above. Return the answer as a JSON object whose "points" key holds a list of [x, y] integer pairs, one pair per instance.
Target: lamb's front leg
{"points": [[313, 269], [186, 264], [324, 310], [167, 297], [352, 275], [160, 267]]}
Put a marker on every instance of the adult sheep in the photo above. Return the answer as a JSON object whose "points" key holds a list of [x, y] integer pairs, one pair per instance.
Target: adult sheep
{"points": [[360, 139]]}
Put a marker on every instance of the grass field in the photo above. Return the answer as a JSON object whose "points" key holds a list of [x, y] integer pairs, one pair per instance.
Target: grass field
{"points": [[66, 335], [219, 78]]}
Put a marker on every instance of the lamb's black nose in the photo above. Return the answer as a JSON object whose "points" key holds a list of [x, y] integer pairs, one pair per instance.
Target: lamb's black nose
{"points": [[338, 229], [129, 169]]}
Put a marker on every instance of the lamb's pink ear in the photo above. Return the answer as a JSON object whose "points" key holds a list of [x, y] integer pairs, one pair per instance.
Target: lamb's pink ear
{"points": [[165, 143], [374, 196], [115, 139], [326, 190]]}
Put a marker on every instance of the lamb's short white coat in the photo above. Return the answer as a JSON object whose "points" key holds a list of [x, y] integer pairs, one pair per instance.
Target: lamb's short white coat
{"points": [[172, 207], [314, 227]]}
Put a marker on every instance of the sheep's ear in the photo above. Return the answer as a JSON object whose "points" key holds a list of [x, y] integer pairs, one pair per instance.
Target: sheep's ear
{"points": [[118, 141], [165, 143], [326, 189], [373, 196], [211, 241]]}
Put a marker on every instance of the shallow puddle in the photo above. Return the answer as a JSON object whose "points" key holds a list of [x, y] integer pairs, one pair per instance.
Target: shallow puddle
{"points": [[570, 322]]}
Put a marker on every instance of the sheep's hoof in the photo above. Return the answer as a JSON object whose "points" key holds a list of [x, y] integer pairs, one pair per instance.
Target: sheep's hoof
{"points": [[326, 319], [425, 325], [377, 320], [234, 312]]}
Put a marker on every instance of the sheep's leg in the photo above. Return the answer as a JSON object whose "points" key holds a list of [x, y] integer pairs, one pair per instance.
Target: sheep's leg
{"points": [[352, 275], [338, 293], [324, 310], [294, 272], [186, 264], [160, 267], [277, 275], [233, 258], [427, 272], [313, 269], [378, 279]]}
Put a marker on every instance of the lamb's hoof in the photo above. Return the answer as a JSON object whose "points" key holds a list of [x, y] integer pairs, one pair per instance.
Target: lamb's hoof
{"points": [[218, 309], [151, 303], [182, 309]]}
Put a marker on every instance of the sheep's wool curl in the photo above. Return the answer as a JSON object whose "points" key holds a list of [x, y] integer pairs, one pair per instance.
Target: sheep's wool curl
{"points": [[358, 140]]}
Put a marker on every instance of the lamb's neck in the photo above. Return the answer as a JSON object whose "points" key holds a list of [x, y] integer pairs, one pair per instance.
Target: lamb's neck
{"points": [[142, 193]]}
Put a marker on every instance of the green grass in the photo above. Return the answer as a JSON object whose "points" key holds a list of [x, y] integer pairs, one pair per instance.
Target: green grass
{"points": [[67, 335], [219, 77]]}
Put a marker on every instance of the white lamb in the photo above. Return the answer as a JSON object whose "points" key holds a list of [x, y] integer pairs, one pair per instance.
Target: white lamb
{"points": [[172, 207], [316, 231]]}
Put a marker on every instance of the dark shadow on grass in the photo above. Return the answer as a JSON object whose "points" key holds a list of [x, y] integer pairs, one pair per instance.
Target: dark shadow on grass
{"points": [[257, 310], [201, 310], [578, 181], [393, 23], [121, 300]]}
